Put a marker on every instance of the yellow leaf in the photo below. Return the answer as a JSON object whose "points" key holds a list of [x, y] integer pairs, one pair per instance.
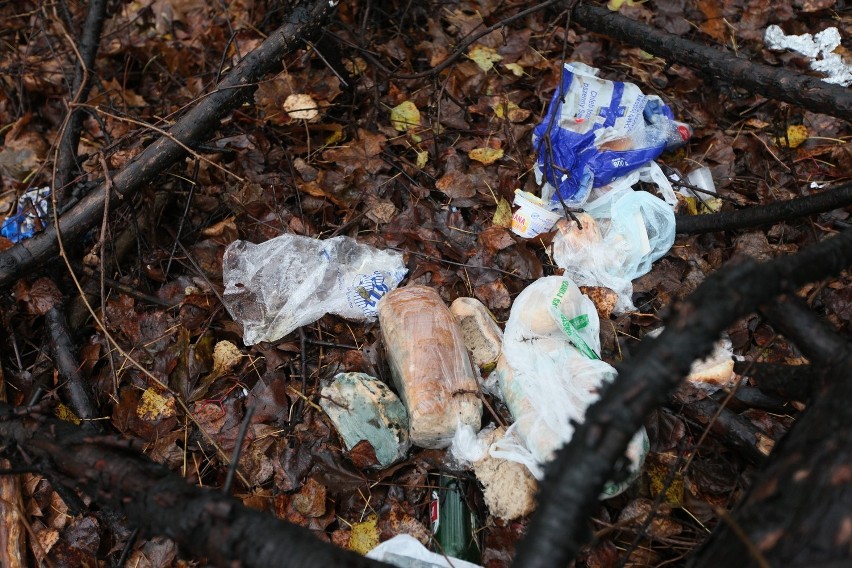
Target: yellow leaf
{"points": [[226, 356], [797, 134], [422, 159], [486, 156], [658, 474], [503, 214], [615, 5], [365, 536], [405, 116], [516, 69], [508, 109], [64, 413], [335, 136], [153, 405], [484, 56]]}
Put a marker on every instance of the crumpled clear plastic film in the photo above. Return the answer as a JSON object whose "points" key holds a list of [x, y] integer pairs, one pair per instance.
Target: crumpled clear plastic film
{"points": [[275, 287], [550, 373], [623, 232]]}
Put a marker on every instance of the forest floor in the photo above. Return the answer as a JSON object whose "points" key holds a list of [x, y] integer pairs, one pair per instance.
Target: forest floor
{"points": [[426, 189]]}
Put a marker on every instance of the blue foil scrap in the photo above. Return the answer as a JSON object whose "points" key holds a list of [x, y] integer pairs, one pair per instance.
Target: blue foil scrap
{"points": [[30, 217]]}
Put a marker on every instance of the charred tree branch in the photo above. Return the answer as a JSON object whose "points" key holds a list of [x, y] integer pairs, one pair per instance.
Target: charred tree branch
{"points": [[576, 476], [798, 323], [765, 214], [797, 512], [80, 396], [67, 166], [205, 523], [787, 381], [189, 131], [731, 429], [808, 92]]}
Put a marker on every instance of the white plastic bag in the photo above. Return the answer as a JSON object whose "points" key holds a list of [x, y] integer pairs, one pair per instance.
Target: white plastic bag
{"points": [[405, 551], [551, 372], [622, 234], [290, 281]]}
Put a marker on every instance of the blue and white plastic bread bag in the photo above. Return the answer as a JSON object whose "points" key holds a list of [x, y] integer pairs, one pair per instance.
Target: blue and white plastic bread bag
{"points": [[599, 130]]}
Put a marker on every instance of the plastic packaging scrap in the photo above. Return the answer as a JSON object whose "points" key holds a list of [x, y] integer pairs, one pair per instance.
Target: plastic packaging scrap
{"points": [[599, 131], [550, 372], [364, 408], [30, 216], [616, 241], [819, 48], [429, 364], [716, 370], [405, 551], [275, 287], [532, 217]]}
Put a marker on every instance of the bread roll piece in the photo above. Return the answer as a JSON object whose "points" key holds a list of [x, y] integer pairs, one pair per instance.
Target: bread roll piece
{"points": [[430, 365], [482, 336]]}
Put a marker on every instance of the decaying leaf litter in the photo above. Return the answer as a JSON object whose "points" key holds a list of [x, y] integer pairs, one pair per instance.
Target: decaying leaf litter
{"points": [[339, 144]]}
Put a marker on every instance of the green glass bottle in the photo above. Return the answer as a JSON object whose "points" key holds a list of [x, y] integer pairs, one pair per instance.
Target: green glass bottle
{"points": [[453, 523]]}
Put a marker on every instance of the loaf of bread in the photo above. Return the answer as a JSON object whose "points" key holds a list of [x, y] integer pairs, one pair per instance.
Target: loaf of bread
{"points": [[430, 365]]}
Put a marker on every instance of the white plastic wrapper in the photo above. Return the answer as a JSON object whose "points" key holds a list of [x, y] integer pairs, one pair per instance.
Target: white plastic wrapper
{"points": [[275, 287], [405, 551], [819, 48], [551, 372], [623, 233]]}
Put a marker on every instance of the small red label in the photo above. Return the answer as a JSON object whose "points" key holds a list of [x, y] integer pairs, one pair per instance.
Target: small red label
{"points": [[684, 132], [435, 512]]}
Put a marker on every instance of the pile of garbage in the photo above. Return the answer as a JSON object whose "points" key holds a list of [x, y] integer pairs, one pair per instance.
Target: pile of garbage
{"points": [[597, 141]]}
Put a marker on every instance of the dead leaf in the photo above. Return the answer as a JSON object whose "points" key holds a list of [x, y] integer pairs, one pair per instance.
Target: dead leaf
{"points": [[503, 214], [363, 455], [486, 156], [405, 116], [301, 107], [39, 298], [456, 185], [484, 56], [364, 536]]}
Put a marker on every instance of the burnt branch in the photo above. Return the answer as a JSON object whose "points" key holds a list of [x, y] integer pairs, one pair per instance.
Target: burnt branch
{"points": [[812, 335], [205, 523], [193, 128], [766, 214], [797, 512], [811, 93], [76, 389], [731, 429], [66, 163], [575, 478]]}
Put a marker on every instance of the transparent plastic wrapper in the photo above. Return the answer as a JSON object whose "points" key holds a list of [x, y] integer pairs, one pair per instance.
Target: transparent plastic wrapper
{"points": [[616, 241], [550, 372], [599, 130], [430, 365], [275, 287], [30, 217]]}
